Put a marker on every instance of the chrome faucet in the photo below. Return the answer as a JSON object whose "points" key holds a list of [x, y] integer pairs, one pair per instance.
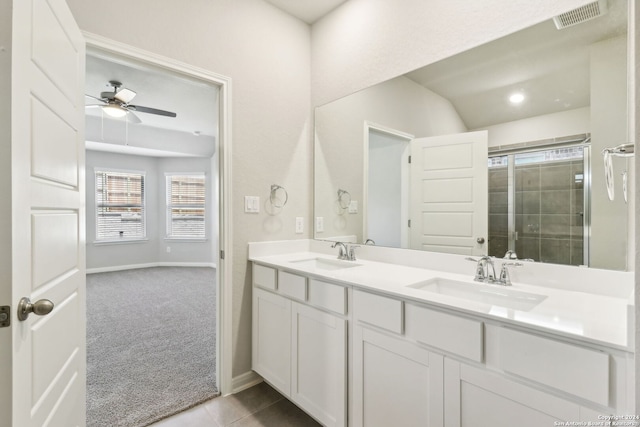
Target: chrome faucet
{"points": [[345, 251], [342, 250], [485, 271]]}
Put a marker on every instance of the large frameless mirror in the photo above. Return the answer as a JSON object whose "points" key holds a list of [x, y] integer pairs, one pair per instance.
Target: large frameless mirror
{"points": [[496, 150]]}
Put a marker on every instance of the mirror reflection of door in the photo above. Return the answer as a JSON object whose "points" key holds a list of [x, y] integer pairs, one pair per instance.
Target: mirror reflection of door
{"points": [[387, 200], [539, 204], [449, 193]]}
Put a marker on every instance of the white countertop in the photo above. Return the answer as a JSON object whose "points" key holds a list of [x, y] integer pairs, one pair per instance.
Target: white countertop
{"points": [[598, 319]]}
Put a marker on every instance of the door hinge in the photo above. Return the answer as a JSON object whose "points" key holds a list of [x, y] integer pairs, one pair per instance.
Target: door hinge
{"points": [[409, 224], [221, 254], [5, 316], [409, 159]]}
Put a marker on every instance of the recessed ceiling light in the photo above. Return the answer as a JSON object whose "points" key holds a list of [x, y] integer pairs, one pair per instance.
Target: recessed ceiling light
{"points": [[516, 98]]}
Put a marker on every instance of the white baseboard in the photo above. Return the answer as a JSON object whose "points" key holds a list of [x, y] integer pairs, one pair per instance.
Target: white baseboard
{"points": [[149, 265], [244, 381]]}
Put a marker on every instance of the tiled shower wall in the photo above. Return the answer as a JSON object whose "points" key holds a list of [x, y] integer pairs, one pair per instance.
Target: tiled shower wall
{"points": [[548, 212]]}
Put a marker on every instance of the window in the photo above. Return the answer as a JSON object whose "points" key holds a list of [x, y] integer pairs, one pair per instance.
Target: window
{"points": [[186, 206], [120, 206]]}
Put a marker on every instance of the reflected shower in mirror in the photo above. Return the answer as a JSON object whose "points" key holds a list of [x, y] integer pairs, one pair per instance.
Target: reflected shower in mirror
{"points": [[421, 176]]}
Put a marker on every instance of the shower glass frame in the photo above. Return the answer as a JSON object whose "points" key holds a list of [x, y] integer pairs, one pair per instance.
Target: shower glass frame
{"points": [[511, 154]]}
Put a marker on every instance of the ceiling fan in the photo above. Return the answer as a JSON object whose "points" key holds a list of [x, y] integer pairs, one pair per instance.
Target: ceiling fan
{"points": [[117, 103]]}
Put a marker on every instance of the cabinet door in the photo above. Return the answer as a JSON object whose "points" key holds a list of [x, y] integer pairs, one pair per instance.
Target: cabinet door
{"points": [[271, 339], [319, 364], [395, 382], [476, 397]]}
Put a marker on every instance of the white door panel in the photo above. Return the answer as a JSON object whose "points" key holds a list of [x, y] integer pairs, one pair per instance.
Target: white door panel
{"points": [[47, 197], [449, 193]]}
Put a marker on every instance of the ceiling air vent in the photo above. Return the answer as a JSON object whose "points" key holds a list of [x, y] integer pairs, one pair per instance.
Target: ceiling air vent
{"points": [[581, 14]]}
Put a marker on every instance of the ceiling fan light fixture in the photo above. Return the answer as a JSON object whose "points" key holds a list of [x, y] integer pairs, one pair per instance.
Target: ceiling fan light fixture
{"points": [[114, 110]]}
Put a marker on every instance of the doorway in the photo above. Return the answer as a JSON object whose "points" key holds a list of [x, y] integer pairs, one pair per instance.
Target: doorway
{"points": [[539, 203], [386, 192], [217, 177]]}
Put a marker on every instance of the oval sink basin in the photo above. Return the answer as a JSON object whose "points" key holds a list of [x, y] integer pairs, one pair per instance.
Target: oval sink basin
{"points": [[502, 296], [325, 263]]}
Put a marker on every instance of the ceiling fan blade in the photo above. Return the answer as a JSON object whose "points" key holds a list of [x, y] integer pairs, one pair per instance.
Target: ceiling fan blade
{"points": [[125, 95], [133, 118], [92, 106], [141, 109], [96, 98]]}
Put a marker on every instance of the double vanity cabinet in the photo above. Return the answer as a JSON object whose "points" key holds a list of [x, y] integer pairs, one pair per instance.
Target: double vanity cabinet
{"points": [[349, 354]]}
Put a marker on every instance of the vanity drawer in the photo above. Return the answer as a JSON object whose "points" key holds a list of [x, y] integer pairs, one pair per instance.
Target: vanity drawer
{"points": [[292, 285], [580, 371], [378, 311], [265, 277], [328, 296], [451, 333]]}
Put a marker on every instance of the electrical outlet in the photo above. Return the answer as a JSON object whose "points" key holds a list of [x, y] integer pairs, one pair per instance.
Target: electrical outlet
{"points": [[319, 224], [299, 225]]}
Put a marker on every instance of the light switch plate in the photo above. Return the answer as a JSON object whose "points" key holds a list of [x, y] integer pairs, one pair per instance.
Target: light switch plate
{"points": [[353, 207], [299, 225], [319, 224], [251, 204]]}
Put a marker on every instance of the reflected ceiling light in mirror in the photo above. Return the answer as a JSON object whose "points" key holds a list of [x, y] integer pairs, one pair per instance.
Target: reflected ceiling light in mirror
{"points": [[516, 98]]}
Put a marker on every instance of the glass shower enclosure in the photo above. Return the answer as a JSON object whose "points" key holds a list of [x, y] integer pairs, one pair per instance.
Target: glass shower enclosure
{"points": [[539, 204]]}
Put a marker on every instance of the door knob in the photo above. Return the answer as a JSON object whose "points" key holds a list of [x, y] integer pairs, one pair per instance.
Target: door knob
{"points": [[480, 240], [41, 308]]}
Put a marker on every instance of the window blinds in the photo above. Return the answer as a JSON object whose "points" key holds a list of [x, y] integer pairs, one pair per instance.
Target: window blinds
{"points": [[120, 205], [186, 206]]}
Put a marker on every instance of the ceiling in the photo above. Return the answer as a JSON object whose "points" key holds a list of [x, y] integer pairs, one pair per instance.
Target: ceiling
{"points": [[194, 102], [552, 79], [308, 11], [549, 66]]}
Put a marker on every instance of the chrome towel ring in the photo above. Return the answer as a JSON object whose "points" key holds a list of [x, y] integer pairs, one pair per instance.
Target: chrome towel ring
{"points": [[278, 197]]}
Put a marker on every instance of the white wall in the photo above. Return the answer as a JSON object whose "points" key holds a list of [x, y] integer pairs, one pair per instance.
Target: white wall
{"points": [[548, 126], [153, 249], [608, 129], [266, 53], [365, 42]]}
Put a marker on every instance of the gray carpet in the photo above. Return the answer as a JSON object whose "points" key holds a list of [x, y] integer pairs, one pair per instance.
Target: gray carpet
{"points": [[150, 344]]}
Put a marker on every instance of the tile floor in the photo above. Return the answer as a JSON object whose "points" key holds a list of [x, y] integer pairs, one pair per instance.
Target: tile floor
{"points": [[258, 406]]}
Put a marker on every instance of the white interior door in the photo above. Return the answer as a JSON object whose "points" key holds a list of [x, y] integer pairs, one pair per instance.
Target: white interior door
{"points": [[47, 196], [449, 192]]}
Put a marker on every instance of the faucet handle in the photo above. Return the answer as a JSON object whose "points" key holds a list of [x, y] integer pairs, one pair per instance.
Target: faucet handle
{"points": [[352, 252], [515, 264], [505, 278]]}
